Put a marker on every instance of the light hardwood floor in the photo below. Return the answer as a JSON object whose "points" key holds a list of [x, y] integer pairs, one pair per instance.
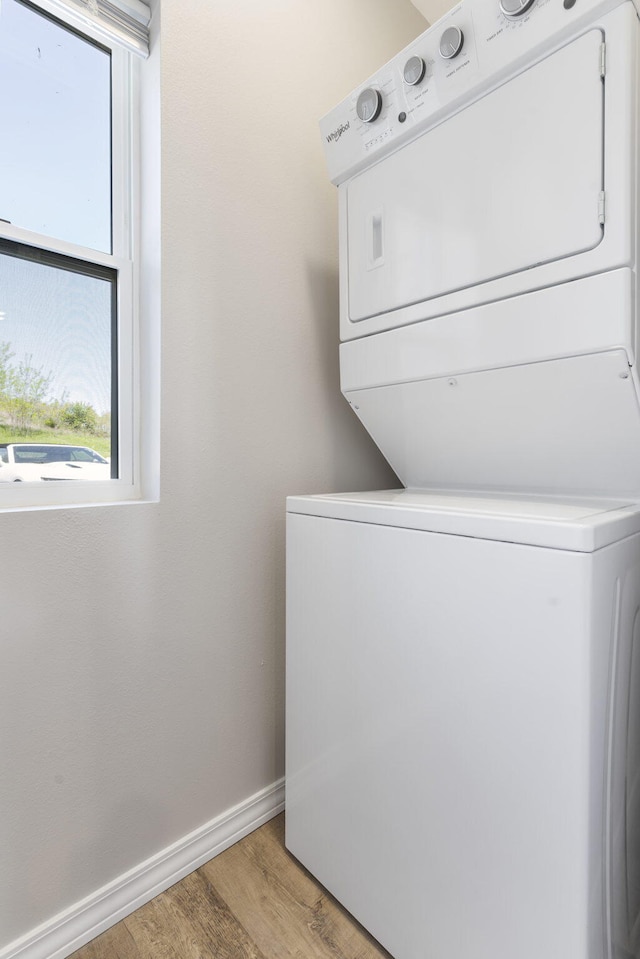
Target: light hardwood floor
{"points": [[253, 901]]}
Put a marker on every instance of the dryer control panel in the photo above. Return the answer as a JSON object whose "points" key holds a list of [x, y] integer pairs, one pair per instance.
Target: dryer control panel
{"points": [[477, 46]]}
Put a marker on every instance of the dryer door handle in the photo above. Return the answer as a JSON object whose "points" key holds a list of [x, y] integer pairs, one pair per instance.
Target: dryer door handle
{"points": [[375, 240]]}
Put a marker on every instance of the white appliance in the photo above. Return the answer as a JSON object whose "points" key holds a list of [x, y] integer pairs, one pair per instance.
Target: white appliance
{"points": [[462, 741], [463, 670]]}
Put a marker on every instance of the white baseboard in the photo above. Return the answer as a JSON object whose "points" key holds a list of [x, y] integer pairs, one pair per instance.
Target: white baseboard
{"points": [[66, 932]]}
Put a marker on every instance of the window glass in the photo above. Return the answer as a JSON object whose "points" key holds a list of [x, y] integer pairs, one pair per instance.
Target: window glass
{"points": [[55, 118], [57, 369]]}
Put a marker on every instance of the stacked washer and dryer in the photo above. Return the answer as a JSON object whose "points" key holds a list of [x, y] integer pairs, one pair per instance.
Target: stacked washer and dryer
{"points": [[463, 662]]}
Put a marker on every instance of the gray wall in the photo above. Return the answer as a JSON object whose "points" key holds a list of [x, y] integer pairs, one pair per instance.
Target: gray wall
{"points": [[141, 687]]}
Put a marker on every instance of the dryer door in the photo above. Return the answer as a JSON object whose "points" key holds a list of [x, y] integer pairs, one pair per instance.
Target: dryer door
{"points": [[510, 182]]}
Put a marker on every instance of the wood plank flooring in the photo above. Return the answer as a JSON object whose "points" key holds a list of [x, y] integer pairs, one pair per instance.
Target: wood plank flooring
{"points": [[253, 901]]}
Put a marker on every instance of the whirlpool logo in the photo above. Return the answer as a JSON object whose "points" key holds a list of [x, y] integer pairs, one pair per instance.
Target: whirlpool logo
{"points": [[335, 136]]}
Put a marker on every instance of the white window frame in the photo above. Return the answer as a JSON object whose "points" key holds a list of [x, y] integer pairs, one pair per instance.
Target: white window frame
{"points": [[125, 113]]}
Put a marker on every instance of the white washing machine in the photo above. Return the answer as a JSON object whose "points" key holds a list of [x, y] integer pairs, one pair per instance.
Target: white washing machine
{"points": [[463, 761], [463, 669]]}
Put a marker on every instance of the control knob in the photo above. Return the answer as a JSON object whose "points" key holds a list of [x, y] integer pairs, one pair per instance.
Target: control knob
{"points": [[369, 105], [414, 71], [451, 42], [515, 8]]}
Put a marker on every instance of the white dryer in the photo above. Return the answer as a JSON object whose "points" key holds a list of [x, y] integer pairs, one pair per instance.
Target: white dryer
{"points": [[463, 667], [488, 248]]}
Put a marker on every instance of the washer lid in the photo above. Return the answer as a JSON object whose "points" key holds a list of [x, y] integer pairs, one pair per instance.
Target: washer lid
{"points": [[583, 525]]}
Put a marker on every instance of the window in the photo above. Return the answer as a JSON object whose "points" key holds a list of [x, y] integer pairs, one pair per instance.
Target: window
{"points": [[68, 274]]}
